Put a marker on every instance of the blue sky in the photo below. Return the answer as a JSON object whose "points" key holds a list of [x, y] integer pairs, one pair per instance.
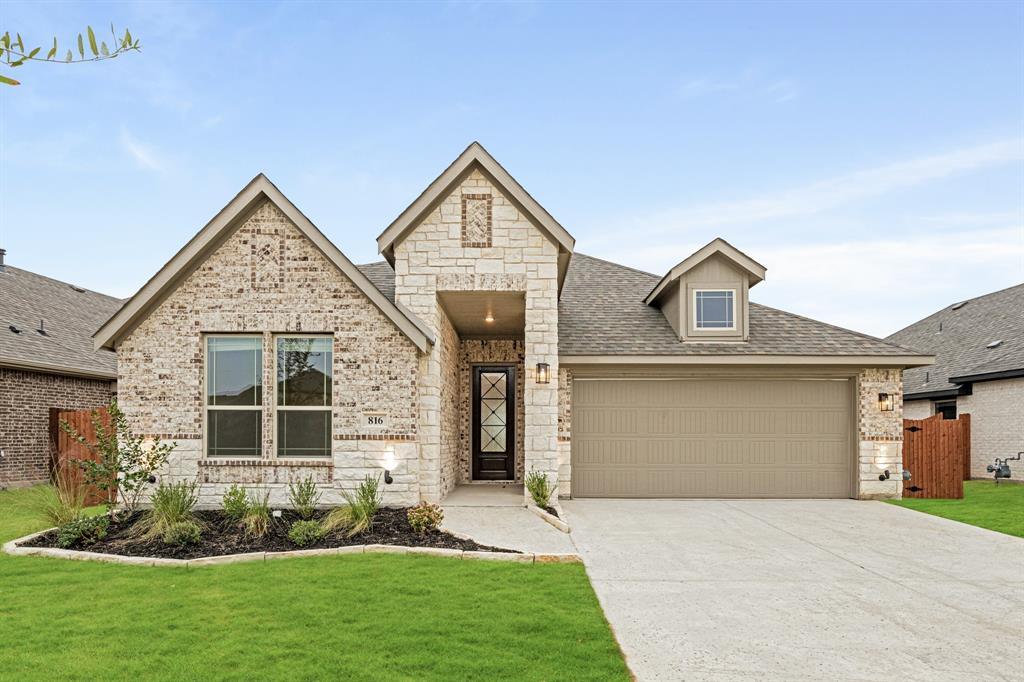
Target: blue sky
{"points": [[871, 155]]}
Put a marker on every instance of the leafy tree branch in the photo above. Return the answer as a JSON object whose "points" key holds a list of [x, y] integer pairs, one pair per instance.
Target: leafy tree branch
{"points": [[13, 52]]}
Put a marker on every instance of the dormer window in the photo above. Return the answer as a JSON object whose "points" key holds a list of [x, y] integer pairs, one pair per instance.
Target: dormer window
{"points": [[714, 308]]}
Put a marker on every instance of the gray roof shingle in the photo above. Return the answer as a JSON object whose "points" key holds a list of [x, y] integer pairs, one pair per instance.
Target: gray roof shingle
{"points": [[959, 339], [70, 316], [602, 312]]}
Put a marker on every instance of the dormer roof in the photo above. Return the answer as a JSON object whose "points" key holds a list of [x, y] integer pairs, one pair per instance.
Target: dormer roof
{"points": [[718, 246]]}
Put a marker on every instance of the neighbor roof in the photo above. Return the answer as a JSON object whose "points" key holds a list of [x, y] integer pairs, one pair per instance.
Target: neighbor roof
{"points": [[69, 316], [475, 157], [602, 313], [260, 189], [959, 336]]}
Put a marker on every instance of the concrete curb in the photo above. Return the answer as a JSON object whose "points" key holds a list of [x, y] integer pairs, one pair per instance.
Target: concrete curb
{"points": [[553, 520], [13, 547]]}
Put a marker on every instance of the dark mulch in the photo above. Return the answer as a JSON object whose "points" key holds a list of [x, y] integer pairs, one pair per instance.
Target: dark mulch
{"points": [[552, 511], [221, 535]]}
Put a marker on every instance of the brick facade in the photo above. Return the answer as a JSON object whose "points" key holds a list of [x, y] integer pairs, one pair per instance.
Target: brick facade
{"points": [[880, 434], [268, 278], [25, 402]]}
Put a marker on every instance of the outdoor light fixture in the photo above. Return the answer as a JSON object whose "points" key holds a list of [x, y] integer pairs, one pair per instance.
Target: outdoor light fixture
{"points": [[884, 476], [489, 318], [885, 402], [543, 373]]}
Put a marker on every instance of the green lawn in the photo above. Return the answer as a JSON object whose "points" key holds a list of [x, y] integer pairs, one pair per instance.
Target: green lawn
{"points": [[985, 504], [372, 617]]}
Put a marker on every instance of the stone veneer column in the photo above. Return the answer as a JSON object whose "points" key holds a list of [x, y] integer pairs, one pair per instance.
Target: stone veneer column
{"points": [[541, 400], [880, 434]]}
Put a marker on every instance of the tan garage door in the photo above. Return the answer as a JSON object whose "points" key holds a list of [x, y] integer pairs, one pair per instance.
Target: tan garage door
{"points": [[711, 438]]}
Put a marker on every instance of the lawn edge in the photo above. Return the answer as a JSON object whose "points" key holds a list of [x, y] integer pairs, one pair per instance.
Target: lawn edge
{"points": [[14, 548]]}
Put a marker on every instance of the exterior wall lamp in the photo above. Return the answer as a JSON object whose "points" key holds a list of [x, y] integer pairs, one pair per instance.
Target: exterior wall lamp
{"points": [[543, 373], [886, 402]]}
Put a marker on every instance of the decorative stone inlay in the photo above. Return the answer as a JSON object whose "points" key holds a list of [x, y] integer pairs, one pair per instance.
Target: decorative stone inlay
{"points": [[476, 221], [267, 260]]}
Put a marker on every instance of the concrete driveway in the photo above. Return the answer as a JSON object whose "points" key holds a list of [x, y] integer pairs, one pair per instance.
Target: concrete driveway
{"points": [[803, 590]]}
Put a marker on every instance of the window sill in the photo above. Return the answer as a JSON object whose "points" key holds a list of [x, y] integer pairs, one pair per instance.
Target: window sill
{"points": [[261, 462], [265, 471]]}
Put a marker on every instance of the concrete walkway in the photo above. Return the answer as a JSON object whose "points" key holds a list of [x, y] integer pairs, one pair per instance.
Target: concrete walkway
{"points": [[495, 515], [803, 590]]}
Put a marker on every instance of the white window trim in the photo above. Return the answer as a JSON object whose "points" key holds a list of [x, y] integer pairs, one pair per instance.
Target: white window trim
{"points": [[735, 295], [241, 408], [303, 408]]}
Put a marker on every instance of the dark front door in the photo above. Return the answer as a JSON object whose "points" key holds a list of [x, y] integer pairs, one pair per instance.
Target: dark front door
{"points": [[494, 431]]}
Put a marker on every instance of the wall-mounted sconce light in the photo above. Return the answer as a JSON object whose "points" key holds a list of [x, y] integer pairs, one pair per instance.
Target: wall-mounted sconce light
{"points": [[886, 402], [543, 373]]}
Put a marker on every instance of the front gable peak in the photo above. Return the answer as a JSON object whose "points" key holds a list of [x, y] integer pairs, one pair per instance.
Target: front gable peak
{"points": [[476, 159], [258, 191]]}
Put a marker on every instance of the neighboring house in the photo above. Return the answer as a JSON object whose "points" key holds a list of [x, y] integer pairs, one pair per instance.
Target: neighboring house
{"points": [[484, 348], [979, 370], [47, 360]]}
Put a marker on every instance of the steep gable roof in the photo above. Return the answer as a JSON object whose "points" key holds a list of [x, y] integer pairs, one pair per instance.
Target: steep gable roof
{"points": [[260, 189], [718, 246], [960, 334], [476, 157], [69, 315]]}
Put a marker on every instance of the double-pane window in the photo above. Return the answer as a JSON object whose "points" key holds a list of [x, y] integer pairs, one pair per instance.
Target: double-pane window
{"points": [[303, 398], [234, 396]]}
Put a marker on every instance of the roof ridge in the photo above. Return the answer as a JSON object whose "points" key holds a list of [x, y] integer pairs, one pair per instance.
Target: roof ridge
{"points": [[949, 306], [842, 329], [76, 287]]}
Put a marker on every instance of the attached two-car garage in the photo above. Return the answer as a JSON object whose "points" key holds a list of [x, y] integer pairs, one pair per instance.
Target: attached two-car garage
{"points": [[712, 437]]}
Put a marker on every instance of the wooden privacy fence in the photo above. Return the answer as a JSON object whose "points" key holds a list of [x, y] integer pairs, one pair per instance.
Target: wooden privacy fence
{"points": [[67, 450], [937, 452]]}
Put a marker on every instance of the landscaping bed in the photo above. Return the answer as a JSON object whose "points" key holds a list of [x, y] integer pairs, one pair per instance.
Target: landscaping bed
{"points": [[223, 535]]}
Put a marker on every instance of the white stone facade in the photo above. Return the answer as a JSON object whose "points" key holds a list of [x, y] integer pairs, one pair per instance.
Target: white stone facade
{"points": [[880, 434], [436, 257]]}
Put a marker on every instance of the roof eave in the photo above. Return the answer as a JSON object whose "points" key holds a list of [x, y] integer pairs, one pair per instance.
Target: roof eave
{"points": [[49, 368], [903, 361], [755, 271], [988, 376]]}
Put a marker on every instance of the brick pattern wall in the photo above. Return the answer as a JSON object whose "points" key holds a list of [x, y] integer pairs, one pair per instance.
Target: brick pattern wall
{"points": [[565, 433], [481, 352], [451, 453], [25, 402], [997, 424], [268, 278], [880, 434], [432, 258]]}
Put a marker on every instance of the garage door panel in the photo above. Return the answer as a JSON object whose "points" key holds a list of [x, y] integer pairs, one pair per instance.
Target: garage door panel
{"points": [[711, 438]]}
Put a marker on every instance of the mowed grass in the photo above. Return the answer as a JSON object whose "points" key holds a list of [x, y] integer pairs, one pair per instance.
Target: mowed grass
{"points": [[985, 504], [372, 617]]}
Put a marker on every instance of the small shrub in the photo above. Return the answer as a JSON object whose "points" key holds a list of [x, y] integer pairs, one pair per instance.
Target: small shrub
{"points": [[83, 531], [305, 532], [62, 502], [183, 533], [357, 515], [540, 488], [235, 503], [425, 517], [304, 497], [172, 503], [256, 521]]}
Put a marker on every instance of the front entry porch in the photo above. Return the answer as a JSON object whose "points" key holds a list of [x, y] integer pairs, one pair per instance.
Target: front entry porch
{"points": [[487, 495], [496, 515]]}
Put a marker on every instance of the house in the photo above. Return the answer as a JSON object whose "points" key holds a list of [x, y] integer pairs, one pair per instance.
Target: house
{"points": [[979, 370], [484, 347], [47, 360]]}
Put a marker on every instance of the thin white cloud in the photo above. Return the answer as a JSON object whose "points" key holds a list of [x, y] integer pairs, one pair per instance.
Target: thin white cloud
{"points": [[748, 83], [830, 193], [144, 156]]}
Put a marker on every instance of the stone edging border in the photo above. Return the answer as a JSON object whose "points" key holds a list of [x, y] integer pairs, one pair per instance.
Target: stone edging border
{"points": [[550, 518], [14, 547]]}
